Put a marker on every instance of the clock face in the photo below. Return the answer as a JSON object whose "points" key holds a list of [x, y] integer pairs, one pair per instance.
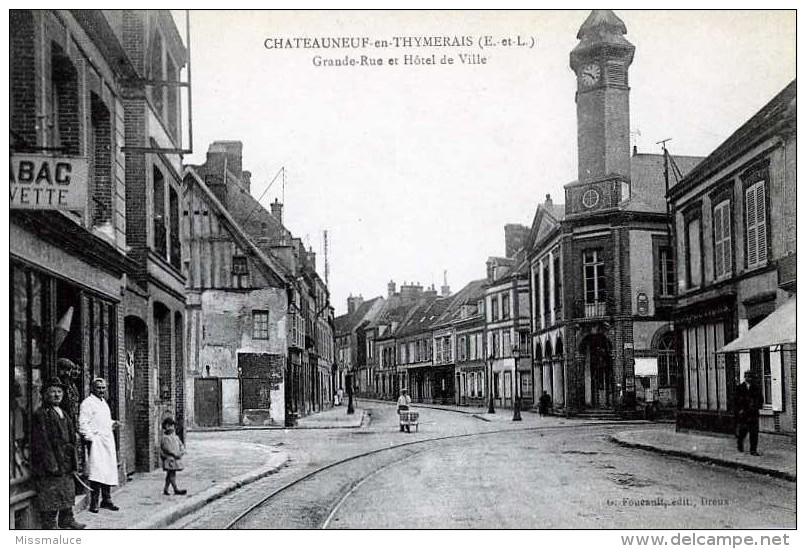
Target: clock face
{"points": [[590, 74], [590, 198]]}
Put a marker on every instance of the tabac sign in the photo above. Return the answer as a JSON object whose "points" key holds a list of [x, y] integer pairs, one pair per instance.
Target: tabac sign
{"points": [[44, 182]]}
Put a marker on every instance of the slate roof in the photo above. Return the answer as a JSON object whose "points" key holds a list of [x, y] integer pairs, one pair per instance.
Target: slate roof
{"points": [[347, 323], [469, 295], [423, 316]]}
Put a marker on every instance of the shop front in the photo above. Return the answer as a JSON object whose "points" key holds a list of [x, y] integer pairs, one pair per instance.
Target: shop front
{"points": [[65, 320]]}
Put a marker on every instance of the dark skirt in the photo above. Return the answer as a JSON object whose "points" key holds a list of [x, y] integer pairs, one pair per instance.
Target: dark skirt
{"points": [[170, 463], [55, 492]]}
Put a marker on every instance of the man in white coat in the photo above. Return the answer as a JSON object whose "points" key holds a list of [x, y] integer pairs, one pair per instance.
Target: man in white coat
{"points": [[95, 424]]}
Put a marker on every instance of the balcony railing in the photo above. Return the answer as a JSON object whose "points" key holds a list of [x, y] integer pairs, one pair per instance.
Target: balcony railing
{"points": [[595, 309]]}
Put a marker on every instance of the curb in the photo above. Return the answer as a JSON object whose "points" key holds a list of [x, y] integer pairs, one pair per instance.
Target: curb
{"points": [[196, 502], [271, 427], [360, 424], [706, 459]]}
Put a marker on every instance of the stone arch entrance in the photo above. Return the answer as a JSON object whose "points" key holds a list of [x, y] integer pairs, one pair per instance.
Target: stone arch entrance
{"points": [[135, 397], [599, 389]]}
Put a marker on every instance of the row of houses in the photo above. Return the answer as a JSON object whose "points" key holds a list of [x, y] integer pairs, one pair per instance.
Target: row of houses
{"points": [[170, 281], [624, 297]]}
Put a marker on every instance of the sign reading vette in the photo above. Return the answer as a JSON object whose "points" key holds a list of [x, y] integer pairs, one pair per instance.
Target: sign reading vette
{"points": [[44, 182]]}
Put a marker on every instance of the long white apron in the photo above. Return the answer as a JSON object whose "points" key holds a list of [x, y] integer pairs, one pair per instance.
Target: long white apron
{"points": [[95, 424]]}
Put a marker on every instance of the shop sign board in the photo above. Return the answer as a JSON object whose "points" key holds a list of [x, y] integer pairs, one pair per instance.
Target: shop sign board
{"points": [[47, 182]]}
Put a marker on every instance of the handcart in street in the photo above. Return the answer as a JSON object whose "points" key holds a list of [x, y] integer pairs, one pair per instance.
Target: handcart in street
{"points": [[409, 419]]}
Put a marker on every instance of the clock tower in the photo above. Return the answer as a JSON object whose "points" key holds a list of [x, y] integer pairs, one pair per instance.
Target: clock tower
{"points": [[601, 61]]}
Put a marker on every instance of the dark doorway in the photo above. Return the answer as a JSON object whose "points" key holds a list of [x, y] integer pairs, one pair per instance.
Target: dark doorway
{"points": [[599, 390], [207, 401], [136, 349]]}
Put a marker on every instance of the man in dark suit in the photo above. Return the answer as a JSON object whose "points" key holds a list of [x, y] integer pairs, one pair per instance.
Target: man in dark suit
{"points": [[748, 403], [53, 459]]}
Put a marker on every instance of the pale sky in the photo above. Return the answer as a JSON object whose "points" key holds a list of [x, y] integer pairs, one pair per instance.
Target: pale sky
{"points": [[416, 170]]}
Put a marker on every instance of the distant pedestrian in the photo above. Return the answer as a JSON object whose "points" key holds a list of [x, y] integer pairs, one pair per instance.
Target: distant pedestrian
{"points": [[544, 403], [748, 403], [96, 424], [403, 402], [172, 451], [53, 460]]}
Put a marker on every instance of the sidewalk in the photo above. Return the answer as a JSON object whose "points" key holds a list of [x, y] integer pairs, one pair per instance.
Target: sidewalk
{"points": [[213, 468], [777, 459]]}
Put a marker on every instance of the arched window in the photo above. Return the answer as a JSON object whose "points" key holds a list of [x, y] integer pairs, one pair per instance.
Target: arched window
{"points": [[559, 351], [667, 368], [538, 352], [547, 354]]}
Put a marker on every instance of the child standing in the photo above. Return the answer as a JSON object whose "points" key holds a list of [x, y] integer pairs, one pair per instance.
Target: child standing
{"points": [[172, 452]]}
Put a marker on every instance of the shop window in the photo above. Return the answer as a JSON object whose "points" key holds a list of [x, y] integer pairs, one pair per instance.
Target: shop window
{"points": [[54, 319]]}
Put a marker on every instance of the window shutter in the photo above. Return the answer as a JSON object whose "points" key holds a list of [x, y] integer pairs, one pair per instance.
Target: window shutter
{"points": [[750, 207], [777, 388], [761, 223], [727, 246], [719, 255]]}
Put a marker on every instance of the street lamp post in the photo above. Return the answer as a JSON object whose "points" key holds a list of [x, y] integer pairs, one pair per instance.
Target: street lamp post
{"points": [[516, 405], [491, 407]]}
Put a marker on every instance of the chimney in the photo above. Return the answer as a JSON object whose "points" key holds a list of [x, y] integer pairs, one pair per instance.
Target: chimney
{"points": [[222, 157], [232, 151], [445, 290], [353, 303], [514, 238], [490, 271], [410, 291], [277, 211], [548, 203], [246, 180], [391, 287], [312, 259]]}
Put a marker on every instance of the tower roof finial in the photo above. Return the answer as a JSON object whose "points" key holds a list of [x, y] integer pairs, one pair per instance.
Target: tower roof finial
{"points": [[602, 22]]}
